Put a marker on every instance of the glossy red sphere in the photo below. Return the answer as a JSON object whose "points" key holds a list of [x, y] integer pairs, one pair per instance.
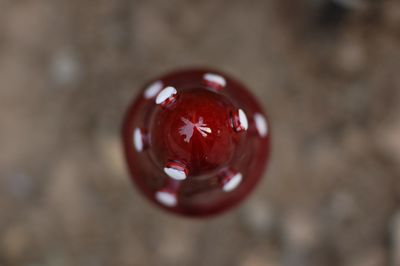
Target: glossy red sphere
{"points": [[196, 142]]}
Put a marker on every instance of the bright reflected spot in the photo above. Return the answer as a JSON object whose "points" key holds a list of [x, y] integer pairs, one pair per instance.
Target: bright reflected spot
{"points": [[138, 139], [232, 183], [214, 78], [166, 198], [175, 173], [261, 124], [243, 120], [165, 94], [153, 89]]}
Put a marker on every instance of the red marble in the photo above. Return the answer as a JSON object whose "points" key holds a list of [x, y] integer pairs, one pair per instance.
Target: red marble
{"points": [[196, 142]]}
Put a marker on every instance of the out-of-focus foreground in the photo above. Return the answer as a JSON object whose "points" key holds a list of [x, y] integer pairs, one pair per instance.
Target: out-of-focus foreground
{"points": [[327, 72]]}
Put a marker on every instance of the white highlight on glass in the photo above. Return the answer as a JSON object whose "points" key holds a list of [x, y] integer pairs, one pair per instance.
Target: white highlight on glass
{"points": [[165, 94], [261, 124], [233, 182], [138, 139], [175, 173], [243, 119], [214, 78], [166, 198], [153, 89]]}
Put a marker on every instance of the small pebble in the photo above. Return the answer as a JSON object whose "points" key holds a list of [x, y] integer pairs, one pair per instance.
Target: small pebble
{"points": [[351, 55], [20, 185], [300, 239], [112, 156], [259, 218], [65, 68], [342, 207]]}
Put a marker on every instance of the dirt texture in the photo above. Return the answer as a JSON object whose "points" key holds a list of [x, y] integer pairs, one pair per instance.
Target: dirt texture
{"points": [[326, 71]]}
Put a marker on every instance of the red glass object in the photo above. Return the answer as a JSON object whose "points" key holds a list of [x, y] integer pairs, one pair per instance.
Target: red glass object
{"points": [[196, 142]]}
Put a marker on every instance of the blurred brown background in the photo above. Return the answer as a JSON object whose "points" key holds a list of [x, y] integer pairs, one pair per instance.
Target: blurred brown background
{"points": [[326, 71]]}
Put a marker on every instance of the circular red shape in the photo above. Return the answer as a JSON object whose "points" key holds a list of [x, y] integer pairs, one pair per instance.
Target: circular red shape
{"points": [[196, 142], [196, 131]]}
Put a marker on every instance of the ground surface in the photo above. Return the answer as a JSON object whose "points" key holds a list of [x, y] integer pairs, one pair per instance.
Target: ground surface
{"points": [[328, 75]]}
